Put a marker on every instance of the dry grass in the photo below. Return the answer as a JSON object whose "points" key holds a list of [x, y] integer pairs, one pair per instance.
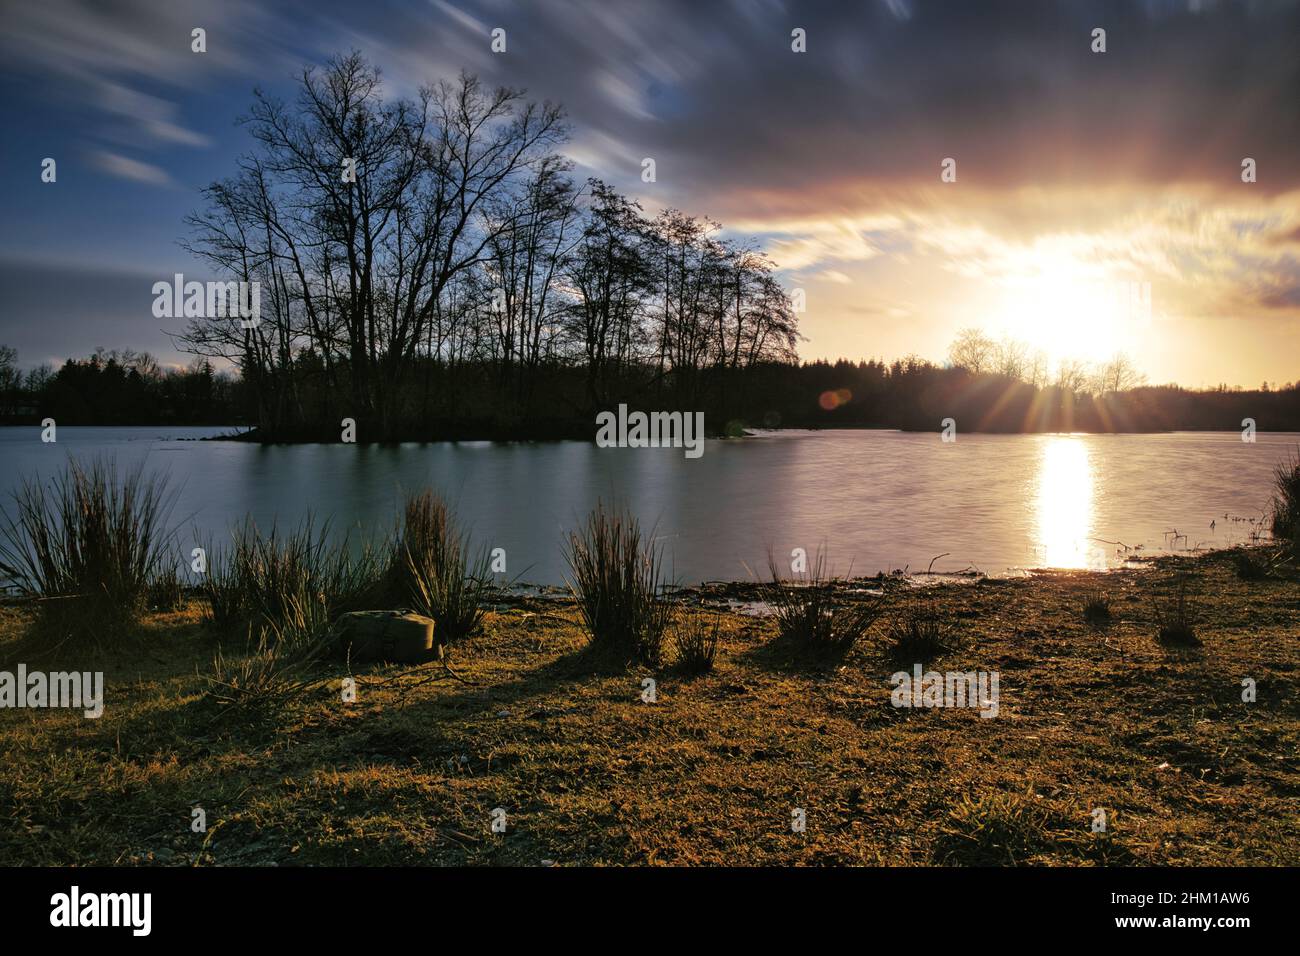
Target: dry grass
{"points": [[93, 543], [589, 773], [1096, 608], [431, 568], [616, 577]]}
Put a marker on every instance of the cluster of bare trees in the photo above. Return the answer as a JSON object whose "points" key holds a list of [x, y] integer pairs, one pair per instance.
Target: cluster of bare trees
{"points": [[399, 243], [980, 354]]}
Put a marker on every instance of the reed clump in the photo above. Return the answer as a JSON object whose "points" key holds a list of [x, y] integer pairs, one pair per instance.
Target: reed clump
{"points": [[93, 545], [809, 615], [432, 568], [695, 639], [1175, 617], [615, 576], [1285, 523], [268, 578], [1096, 608], [916, 635], [279, 668]]}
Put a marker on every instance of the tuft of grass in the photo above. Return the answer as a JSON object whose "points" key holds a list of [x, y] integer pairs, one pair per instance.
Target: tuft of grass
{"points": [[431, 566], [279, 669], [615, 576], [1096, 608], [93, 543], [1286, 506], [1175, 617], [266, 578], [695, 639], [995, 829], [917, 635], [808, 615]]}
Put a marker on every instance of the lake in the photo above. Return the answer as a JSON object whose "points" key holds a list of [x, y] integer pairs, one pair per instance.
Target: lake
{"points": [[874, 500]]}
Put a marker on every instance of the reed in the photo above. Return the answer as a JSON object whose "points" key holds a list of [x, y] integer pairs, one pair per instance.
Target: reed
{"points": [[1286, 506], [1175, 617], [266, 578], [809, 615], [279, 668], [94, 544], [917, 635], [695, 639], [1096, 608], [615, 576], [432, 567]]}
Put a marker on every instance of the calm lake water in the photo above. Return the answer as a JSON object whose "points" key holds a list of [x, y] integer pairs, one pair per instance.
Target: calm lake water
{"points": [[875, 500]]}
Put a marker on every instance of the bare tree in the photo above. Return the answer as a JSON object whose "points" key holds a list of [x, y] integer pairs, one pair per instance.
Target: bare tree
{"points": [[973, 351]]}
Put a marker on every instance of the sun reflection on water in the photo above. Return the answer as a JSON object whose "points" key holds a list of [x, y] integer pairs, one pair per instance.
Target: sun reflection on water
{"points": [[1063, 506]]}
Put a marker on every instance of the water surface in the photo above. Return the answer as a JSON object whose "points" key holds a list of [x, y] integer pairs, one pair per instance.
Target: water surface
{"points": [[874, 500]]}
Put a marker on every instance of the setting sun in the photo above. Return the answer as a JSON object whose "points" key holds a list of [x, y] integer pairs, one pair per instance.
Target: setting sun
{"points": [[1069, 310]]}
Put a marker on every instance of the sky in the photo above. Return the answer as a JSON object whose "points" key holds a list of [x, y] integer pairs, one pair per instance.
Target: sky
{"points": [[1098, 202]]}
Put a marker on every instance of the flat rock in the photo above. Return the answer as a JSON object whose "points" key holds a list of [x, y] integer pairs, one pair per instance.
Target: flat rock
{"points": [[388, 636]]}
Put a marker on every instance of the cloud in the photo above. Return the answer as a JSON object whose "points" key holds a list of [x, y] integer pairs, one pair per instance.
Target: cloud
{"points": [[104, 56], [152, 116], [123, 167], [1123, 164]]}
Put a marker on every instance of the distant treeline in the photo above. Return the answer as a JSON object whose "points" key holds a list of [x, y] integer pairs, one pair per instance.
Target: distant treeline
{"points": [[915, 394], [118, 388], [129, 388]]}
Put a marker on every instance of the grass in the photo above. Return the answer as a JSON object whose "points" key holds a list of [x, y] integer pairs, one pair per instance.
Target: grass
{"points": [[1175, 617], [1188, 773], [616, 577], [994, 829], [1096, 608], [810, 611], [1286, 507], [916, 635], [94, 545], [431, 568]]}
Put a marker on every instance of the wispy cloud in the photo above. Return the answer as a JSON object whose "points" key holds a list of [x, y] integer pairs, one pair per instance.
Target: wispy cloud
{"points": [[123, 167], [105, 57]]}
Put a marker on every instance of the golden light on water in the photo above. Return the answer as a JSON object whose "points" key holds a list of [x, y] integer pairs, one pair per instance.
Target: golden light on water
{"points": [[1063, 505]]}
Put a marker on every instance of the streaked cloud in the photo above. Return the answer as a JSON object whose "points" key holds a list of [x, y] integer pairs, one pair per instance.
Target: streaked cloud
{"points": [[123, 167]]}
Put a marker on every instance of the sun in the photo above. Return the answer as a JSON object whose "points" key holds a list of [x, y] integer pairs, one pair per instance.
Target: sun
{"points": [[1068, 309]]}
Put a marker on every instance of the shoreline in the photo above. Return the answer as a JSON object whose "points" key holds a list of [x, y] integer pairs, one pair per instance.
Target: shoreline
{"points": [[545, 433], [587, 433]]}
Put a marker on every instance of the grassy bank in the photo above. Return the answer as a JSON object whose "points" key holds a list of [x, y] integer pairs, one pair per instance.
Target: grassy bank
{"points": [[1092, 715]]}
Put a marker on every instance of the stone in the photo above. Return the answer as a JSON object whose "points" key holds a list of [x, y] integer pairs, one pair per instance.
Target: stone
{"points": [[389, 636]]}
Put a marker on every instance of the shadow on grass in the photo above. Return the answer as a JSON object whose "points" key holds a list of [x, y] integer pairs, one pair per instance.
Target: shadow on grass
{"points": [[786, 654]]}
